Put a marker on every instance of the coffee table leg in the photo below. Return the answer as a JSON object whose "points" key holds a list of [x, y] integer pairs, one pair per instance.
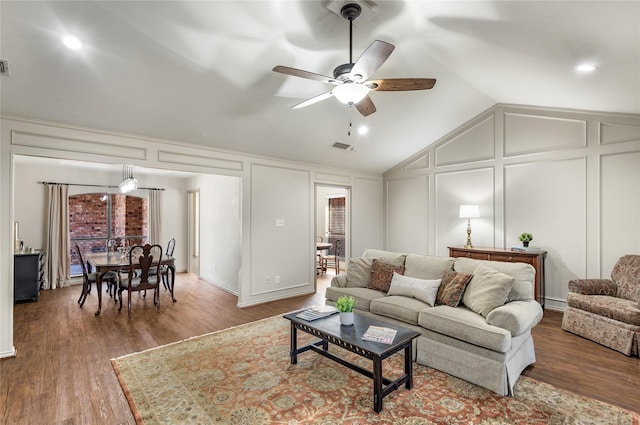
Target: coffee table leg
{"points": [[294, 345], [408, 365], [377, 385]]}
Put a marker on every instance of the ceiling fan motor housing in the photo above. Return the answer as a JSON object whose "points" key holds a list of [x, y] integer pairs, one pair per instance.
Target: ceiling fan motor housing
{"points": [[350, 11]]}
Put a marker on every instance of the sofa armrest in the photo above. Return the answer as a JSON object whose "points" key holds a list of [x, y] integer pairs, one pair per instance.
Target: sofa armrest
{"points": [[593, 287], [516, 316], [339, 281]]}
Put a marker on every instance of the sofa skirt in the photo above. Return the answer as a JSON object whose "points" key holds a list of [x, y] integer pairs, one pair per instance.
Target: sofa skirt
{"points": [[613, 334], [489, 369]]}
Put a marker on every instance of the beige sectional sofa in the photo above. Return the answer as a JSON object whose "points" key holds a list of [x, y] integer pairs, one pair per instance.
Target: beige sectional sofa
{"points": [[485, 339]]}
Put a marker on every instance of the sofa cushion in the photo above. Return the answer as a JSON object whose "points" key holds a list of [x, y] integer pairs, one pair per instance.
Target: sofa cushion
{"points": [[517, 317], [395, 258], [412, 287], [359, 272], [465, 325], [452, 287], [363, 296], [427, 266], [487, 290], [381, 275], [619, 309], [524, 275], [397, 307]]}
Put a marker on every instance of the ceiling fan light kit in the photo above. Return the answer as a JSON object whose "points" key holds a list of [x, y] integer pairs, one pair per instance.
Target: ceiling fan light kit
{"points": [[351, 80], [350, 93]]}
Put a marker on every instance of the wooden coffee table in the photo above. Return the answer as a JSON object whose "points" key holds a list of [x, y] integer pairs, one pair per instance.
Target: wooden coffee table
{"points": [[329, 330]]}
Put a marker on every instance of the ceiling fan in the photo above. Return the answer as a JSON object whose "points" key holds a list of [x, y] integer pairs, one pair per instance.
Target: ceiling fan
{"points": [[351, 80]]}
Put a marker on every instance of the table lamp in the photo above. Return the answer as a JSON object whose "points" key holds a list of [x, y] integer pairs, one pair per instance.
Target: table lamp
{"points": [[469, 212]]}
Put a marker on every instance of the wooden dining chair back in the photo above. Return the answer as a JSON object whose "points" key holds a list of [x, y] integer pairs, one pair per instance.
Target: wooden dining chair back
{"points": [[88, 278], [143, 273], [333, 260]]}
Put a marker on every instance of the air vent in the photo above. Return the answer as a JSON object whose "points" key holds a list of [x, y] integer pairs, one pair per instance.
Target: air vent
{"points": [[4, 67], [341, 145]]}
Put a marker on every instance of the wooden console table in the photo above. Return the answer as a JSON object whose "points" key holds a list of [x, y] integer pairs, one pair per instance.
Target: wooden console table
{"points": [[535, 258]]}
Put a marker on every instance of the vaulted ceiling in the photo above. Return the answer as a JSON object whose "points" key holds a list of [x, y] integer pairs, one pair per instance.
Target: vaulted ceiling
{"points": [[201, 72]]}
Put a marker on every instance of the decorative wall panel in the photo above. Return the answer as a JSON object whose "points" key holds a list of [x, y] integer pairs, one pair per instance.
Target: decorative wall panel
{"points": [[618, 133], [548, 199], [95, 147], [408, 215], [475, 144], [620, 208], [524, 134], [460, 188], [200, 159]]}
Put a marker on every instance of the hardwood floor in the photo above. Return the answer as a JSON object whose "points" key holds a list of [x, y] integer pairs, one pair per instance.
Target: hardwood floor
{"points": [[62, 373]]}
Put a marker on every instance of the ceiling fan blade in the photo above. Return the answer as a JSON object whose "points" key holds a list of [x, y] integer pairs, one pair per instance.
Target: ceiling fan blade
{"points": [[304, 74], [366, 106], [371, 60], [401, 84], [313, 100]]}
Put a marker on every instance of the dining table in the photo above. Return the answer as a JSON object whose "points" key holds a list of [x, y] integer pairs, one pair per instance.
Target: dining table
{"points": [[114, 261]]}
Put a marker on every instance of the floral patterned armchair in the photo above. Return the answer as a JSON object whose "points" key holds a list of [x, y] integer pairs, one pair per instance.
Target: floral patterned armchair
{"points": [[607, 311]]}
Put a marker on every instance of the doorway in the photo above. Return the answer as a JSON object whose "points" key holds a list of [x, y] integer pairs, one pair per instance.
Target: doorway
{"points": [[193, 212], [332, 208]]}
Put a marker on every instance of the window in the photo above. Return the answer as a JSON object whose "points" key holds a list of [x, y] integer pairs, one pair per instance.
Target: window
{"points": [[94, 218]]}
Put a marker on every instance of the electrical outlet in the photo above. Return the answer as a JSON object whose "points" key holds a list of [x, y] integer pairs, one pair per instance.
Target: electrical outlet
{"points": [[277, 279], [267, 280]]}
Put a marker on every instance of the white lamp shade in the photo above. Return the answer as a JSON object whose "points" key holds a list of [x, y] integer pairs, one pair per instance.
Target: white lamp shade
{"points": [[350, 92], [128, 184], [469, 211]]}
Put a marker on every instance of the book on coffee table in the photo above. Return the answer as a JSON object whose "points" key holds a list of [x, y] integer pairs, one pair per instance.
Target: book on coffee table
{"points": [[317, 312], [380, 334]]}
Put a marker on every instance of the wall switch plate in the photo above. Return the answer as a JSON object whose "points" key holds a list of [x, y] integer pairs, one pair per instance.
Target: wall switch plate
{"points": [[277, 279], [279, 222], [267, 280]]}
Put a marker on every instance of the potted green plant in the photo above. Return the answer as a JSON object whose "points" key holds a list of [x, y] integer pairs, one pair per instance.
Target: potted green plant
{"points": [[525, 238], [345, 305]]}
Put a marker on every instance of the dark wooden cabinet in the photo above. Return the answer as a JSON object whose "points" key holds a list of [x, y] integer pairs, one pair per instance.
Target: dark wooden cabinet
{"points": [[535, 258], [27, 275]]}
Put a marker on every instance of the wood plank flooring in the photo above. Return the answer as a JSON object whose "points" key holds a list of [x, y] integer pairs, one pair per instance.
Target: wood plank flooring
{"points": [[62, 374]]}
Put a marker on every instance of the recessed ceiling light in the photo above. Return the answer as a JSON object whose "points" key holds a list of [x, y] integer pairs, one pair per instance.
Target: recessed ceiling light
{"points": [[586, 67], [363, 129], [72, 42]]}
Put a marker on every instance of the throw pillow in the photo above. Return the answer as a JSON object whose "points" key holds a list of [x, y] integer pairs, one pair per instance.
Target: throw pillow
{"points": [[359, 272], [420, 289], [487, 290], [381, 274], [452, 287]]}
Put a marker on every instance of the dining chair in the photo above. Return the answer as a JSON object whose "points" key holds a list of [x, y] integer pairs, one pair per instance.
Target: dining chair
{"points": [[319, 257], [142, 259], [165, 270], [332, 261], [89, 278]]}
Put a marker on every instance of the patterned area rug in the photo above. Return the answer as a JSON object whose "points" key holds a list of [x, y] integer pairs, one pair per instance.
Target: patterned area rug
{"points": [[243, 376]]}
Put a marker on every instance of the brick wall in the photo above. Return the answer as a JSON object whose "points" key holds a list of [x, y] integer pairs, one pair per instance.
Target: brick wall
{"points": [[88, 219]]}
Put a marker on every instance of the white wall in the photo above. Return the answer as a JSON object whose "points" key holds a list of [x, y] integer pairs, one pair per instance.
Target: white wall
{"points": [[220, 229], [571, 178], [270, 189]]}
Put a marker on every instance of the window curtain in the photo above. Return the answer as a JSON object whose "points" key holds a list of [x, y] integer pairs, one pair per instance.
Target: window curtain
{"points": [[155, 208], [57, 263]]}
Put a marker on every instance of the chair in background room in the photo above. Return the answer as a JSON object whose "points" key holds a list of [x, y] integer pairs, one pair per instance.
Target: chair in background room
{"points": [[164, 269], [606, 310], [142, 259], [332, 260], [319, 256], [89, 278]]}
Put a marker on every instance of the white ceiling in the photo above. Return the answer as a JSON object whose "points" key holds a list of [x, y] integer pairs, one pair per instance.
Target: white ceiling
{"points": [[200, 72]]}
